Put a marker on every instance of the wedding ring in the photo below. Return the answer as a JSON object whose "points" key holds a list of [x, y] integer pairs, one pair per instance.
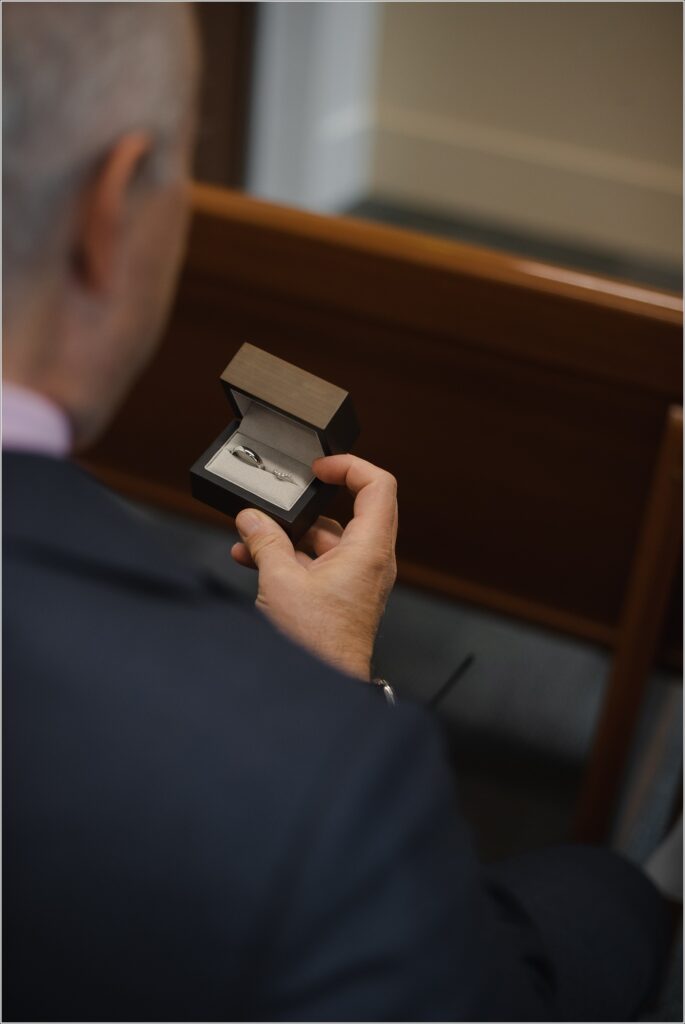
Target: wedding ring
{"points": [[249, 456]]}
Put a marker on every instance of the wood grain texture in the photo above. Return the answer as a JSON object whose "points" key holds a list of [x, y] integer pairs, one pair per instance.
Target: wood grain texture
{"points": [[289, 388], [519, 406]]}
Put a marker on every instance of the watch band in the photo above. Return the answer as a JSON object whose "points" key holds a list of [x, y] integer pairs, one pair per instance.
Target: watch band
{"points": [[387, 690]]}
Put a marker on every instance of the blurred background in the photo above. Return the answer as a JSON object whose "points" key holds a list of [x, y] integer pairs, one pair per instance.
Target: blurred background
{"points": [[551, 130]]}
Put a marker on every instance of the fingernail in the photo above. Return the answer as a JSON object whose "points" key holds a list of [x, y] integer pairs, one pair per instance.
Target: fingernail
{"points": [[247, 522]]}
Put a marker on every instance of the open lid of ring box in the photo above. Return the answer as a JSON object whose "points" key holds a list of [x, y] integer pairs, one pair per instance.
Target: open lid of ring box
{"points": [[286, 417]]}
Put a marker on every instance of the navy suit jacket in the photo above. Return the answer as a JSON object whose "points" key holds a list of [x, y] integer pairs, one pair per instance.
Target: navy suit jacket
{"points": [[202, 822]]}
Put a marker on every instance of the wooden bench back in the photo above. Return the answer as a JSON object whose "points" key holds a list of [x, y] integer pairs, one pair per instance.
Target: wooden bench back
{"points": [[519, 405]]}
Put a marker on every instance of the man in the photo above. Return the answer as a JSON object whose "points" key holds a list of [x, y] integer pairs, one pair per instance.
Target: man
{"points": [[210, 812]]}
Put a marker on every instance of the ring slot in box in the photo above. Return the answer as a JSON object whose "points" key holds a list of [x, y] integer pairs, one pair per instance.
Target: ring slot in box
{"points": [[285, 418]]}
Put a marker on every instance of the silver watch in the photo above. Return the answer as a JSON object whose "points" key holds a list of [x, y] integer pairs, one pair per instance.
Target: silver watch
{"points": [[387, 689]]}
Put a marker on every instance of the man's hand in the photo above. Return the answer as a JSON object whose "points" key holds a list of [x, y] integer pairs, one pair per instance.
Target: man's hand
{"points": [[331, 603]]}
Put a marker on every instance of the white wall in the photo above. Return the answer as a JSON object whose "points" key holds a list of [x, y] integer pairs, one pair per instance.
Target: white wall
{"points": [[562, 119], [312, 103], [556, 119]]}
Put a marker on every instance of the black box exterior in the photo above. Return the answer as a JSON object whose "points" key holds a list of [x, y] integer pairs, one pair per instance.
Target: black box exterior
{"points": [[231, 499], [302, 397]]}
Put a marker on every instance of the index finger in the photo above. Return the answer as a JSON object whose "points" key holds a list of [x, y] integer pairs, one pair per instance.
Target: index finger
{"points": [[375, 490]]}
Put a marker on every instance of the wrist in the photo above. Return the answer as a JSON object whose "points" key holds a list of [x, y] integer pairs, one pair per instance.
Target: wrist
{"points": [[360, 668], [353, 663], [387, 689]]}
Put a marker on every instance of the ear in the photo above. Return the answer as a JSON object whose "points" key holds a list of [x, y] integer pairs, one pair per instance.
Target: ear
{"points": [[103, 211]]}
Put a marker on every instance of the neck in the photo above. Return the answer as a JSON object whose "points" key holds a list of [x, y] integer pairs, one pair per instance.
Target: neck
{"points": [[31, 332], [36, 362]]}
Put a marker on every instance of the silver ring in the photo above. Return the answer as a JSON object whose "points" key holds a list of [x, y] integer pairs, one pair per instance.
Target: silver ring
{"points": [[247, 455]]}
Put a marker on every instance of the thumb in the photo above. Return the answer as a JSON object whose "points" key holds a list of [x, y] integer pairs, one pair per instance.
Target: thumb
{"points": [[267, 543]]}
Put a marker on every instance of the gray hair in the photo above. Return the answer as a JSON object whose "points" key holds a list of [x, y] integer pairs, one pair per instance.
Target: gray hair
{"points": [[77, 76]]}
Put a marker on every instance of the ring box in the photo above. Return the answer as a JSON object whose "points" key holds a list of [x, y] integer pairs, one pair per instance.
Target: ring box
{"points": [[288, 417]]}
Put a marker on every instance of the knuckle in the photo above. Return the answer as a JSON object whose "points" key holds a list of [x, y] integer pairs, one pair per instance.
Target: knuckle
{"points": [[328, 525], [381, 561], [262, 543], [390, 481]]}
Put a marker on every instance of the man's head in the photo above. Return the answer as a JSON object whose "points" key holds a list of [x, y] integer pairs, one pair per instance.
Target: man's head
{"points": [[98, 123]]}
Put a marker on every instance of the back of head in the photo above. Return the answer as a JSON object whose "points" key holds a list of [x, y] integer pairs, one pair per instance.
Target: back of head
{"points": [[98, 116], [76, 76]]}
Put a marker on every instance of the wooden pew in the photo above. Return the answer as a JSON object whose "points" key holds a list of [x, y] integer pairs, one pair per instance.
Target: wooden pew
{"points": [[520, 405], [653, 569]]}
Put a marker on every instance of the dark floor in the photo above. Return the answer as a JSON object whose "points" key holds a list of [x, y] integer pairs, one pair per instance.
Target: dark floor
{"points": [[519, 721], [548, 250]]}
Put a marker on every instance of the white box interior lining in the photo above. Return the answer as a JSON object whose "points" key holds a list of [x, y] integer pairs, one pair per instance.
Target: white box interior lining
{"points": [[281, 442]]}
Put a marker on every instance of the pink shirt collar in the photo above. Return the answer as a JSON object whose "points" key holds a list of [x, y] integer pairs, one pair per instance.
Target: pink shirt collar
{"points": [[32, 423]]}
